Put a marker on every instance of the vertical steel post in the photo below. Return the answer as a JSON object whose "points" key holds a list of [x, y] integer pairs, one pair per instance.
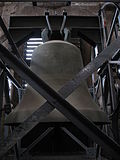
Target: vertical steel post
{"points": [[2, 76], [112, 27], [7, 97]]}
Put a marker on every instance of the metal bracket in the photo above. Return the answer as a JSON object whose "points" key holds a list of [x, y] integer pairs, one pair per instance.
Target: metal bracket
{"points": [[48, 23], [63, 23]]}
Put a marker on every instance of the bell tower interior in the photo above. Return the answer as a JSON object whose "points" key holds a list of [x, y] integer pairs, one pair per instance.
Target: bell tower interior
{"points": [[60, 80]]}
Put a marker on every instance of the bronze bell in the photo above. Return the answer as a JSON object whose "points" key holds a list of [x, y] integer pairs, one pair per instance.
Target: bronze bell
{"points": [[56, 62]]}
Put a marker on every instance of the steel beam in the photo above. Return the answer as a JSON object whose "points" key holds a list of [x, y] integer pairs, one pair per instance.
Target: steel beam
{"points": [[74, 138], [24, 39], [14, 81], [20, 35], [10, 40], [60, 1], [2, 80], [87, 127], [7, 97], [3, 39], [88, 25], [113, 97], [112, 28], [41, 137], [39, 22]]}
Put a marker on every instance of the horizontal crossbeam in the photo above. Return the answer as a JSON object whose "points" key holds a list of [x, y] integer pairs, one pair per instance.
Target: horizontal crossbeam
{"points": [[60, 0]]}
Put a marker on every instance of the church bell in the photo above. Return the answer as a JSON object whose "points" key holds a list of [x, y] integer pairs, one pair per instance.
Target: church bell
{"points": [[56, 62]]}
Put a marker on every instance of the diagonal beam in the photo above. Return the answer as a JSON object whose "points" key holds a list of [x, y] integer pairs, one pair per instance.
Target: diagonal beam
{"points": [[3, 38], [2, 81], [41, 137], [74, 138], [24, 39], [14, 81], [62, 105], [10, 40]]}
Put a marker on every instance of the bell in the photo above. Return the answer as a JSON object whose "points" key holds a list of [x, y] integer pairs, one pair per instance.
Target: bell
{"points": [[56, 62]]}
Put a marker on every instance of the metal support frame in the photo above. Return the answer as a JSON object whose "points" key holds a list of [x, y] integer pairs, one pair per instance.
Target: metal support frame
{"points": [[4, 28], [2, 81], [2, 77], [88, 26], [10, 40], [115, 124], [63, 23], [7, 105], [115, 116], [25, 38], [17, 146], [112, 26], [3, 38], [60, 1], [112, 88], [108, 70], [48, 22], [58, 102], [4, 87], [103, 33], [41, 137], [105, 91], [14, 81], [106, 39], [74, 138]]}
